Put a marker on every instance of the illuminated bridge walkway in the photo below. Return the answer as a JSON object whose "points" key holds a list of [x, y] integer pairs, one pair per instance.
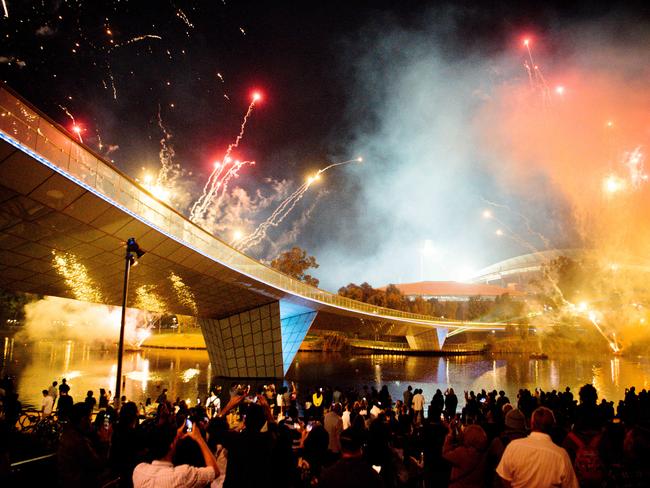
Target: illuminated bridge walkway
{"points": [[65, 214]]}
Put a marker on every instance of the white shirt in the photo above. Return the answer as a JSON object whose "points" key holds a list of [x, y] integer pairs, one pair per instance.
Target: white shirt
{"points": [[47, 404], [222, 463], [418, 402], [162, 474], [535, 461], [213, 401], [346, 420]]}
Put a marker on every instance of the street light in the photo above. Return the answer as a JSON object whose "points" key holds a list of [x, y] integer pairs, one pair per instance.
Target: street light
{"points": [[130, 260]]}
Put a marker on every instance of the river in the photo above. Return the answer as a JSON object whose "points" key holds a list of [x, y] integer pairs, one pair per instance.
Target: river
{"points": [[187, 373]]}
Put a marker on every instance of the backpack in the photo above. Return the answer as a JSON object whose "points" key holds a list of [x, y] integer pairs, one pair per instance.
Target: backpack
{"points": [[587, 463]]}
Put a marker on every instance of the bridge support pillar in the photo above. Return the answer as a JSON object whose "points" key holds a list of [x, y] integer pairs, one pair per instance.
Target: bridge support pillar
{"points": [[429, 340], [256, 343]]}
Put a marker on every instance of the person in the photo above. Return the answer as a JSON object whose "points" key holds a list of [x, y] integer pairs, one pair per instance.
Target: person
{"points": [[451, 403], [162, 398], [103, 399], [418, 407], [535, 460], [217, 429], [259, 449], [161, 472], [352, 470], [127, 445], [213, 404], [81, 461], [47, 404], [465, 451], [90, 400], [515, 428], [53, 391], [64, 407], [64, 387], [333, 424], [408, 397]]}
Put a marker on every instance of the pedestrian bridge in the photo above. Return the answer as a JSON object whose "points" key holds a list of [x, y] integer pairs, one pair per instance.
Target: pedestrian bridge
{"points": [[66, 213]]}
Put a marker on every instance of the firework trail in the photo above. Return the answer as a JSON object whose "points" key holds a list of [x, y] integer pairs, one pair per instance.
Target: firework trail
{"points": [[222, 170], [181, 15], [284, 209], [4, 6], [135, 39], [527, 223], [75, 128], [166, 155], [535, 76]]}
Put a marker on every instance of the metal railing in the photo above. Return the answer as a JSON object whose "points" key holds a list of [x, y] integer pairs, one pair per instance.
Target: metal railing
{"points": [[35, 134]]}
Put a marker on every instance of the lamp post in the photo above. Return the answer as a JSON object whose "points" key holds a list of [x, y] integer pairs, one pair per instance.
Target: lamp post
{"points": [[130, 260]]}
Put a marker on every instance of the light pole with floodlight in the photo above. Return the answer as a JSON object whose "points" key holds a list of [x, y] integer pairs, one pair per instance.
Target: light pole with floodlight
{"points": [[130, 260]]}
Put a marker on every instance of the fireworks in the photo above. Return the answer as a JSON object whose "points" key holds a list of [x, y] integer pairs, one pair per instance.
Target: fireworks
{"points": [[76, 277], [613, 184], [285, 208], [183, 293], [224, 171]]}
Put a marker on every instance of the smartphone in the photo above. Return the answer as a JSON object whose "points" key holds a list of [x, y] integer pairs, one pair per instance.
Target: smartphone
{"points": [[483, 400], [188, 425], [309, 426], [107, 421]]}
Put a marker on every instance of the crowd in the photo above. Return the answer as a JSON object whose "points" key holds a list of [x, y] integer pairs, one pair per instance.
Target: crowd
{"points": [[332, 437]]}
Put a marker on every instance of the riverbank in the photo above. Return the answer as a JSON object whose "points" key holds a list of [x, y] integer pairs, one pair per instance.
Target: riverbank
{"points": [[174, 340]]}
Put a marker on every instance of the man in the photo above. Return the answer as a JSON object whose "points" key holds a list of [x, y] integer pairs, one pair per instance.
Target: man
{"points": [[535, 460], [64, 407], [408, 397], [352, 470], [47, 405], [161, 472], [213, 404], [64, 387], [333, 424]]}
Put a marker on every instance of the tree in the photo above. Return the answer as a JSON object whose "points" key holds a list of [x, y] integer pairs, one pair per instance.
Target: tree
{"points": [[294, 263]]}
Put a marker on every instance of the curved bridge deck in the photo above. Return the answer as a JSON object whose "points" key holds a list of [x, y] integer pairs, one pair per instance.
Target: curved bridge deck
{"points": [[65, 214]]}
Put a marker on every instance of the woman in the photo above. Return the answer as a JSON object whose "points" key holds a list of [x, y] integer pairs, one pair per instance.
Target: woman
{"points": [[466, 452]]}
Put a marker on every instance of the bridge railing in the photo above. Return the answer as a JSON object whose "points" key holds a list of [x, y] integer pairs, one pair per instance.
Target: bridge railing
{"points": [[51, 145]]}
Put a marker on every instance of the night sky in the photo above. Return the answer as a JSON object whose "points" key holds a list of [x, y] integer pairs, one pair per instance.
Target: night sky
{"points": [[333, 76]]}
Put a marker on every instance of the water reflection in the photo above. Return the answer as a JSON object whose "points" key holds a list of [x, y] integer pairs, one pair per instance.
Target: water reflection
{"points": [[187, 374]]}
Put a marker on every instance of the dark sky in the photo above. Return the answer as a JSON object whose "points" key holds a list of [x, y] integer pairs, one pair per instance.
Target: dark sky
{"points": [[301, 55]]}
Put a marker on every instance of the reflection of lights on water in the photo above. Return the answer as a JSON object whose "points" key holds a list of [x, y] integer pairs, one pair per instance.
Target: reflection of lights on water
{"points": [[188, 374], [615, 367], [67, 355]]}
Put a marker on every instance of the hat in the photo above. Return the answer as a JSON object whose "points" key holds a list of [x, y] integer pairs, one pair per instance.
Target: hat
{"points": [[515, 420], [474, 436]]}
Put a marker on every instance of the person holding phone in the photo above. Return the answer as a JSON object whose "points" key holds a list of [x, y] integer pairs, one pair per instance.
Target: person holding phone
{"points": [[161, 472]]}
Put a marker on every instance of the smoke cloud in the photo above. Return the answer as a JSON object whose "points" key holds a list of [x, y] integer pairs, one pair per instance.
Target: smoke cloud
{"points": [[445, 126], [61, 318]]}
